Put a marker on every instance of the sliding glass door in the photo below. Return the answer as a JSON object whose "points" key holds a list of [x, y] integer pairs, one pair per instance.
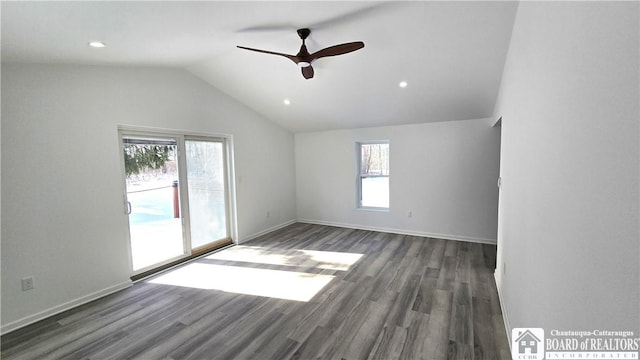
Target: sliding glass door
{"points": [[177, 197]]}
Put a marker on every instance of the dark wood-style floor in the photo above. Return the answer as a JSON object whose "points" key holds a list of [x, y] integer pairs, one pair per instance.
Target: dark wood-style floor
{"points": [[407, 297]]}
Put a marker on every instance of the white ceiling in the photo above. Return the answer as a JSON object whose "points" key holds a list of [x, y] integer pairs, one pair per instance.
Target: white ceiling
{"points": [[450, 53]]}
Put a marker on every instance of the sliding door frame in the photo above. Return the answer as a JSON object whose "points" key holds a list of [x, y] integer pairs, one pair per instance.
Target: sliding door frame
{"points": [[230, 190]]}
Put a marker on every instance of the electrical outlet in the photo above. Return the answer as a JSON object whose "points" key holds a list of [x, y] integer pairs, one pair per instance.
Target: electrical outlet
{"points": [[410, 214], [268, 214], [27, 283]]}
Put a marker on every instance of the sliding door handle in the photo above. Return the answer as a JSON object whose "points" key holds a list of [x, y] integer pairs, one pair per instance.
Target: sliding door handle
{"points": [[127, 210]]}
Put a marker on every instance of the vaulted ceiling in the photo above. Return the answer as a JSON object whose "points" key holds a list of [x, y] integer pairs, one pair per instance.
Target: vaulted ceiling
{"points": [[451, 54]]}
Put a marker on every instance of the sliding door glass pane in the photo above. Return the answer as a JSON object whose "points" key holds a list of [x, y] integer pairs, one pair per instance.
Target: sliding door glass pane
{"points": [[155, 226], [206, 184]]}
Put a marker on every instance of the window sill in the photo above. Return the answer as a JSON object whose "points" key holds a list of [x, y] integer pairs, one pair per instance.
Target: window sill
{"points": [[371, 208]]}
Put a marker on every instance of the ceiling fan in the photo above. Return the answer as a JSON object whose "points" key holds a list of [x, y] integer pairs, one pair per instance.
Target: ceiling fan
{"points": [[303, 59]]}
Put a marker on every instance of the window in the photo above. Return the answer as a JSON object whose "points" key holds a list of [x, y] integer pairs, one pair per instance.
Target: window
{"points": [[373, 174]]}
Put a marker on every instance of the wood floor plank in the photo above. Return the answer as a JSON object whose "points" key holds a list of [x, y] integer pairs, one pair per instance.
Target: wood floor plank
{"points": [[392, 339], [484, 344], [461, 320], [423, 300], [447, 273], [284, 350], [229, 345], [261, 346], [463, 267], [344, 330], [437, 254], [406, 297], [362, 343], [320, 314], [152, 339], [312, 346], [403, 304], [415, 331], [437, 340]]}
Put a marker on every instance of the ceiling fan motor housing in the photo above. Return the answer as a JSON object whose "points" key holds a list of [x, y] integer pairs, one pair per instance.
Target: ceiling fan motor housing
{"points": [[304, 33]]}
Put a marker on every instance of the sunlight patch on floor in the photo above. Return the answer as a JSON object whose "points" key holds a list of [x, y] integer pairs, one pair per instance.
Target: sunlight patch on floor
{"points": [[329, 260], [288, 285]]}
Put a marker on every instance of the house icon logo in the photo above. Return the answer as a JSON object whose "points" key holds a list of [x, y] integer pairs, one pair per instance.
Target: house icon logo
{"points": [[527, 343]]}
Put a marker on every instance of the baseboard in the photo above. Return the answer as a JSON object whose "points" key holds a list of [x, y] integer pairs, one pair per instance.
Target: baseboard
{"points": [[505, 317], [28, 320], [402, 232], [266, 231]]}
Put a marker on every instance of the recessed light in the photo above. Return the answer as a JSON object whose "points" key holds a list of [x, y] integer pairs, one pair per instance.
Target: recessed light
{"points": [[287, 102], [97, 44], [403, 84]]}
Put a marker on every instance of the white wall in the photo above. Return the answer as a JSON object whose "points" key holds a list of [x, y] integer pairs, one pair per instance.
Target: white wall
{"points": [[445, 173], [569, 237], [62, 218]]}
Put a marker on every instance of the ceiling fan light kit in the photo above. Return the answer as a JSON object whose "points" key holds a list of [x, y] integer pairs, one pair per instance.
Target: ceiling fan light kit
{"points": [[304, 60]]}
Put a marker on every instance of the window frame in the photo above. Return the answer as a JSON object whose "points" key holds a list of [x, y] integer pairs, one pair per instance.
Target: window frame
{"points": [[360, 176]]}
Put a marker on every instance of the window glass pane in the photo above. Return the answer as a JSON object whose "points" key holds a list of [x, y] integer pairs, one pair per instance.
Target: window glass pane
{"points": [[374, 175], [205, 177], [375, 192], [374, 159]]}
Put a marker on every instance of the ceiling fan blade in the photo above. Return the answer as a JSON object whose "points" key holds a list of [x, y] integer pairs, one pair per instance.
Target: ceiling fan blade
{"points": [[269, 27], [354, 16], [290, 57], [339, 19], [338, 50], [307, 72]]}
